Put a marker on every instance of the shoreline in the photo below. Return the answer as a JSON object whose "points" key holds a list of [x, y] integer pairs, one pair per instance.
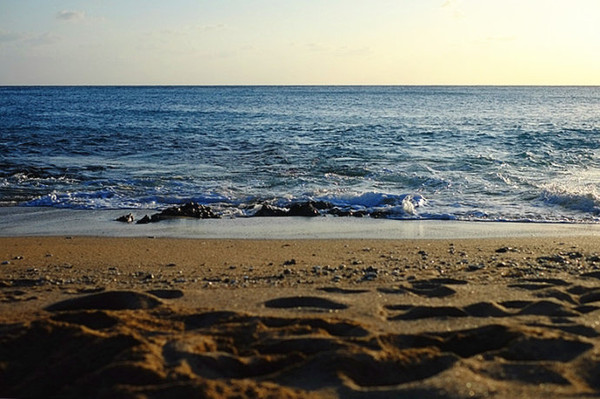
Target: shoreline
{"points": [[40, 221]]}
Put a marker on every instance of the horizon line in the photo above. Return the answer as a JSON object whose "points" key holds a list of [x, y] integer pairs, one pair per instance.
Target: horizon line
{"points": [[298, 85]]}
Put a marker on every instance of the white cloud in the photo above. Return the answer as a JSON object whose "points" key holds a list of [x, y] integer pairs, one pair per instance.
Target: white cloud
{"points": [[28, 38], [450, 3], [6, 36], [43, 39], [70, 15], [454, 7]]}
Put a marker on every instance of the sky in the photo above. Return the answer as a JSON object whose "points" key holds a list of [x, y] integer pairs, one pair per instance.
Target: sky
{"points": [[300, 42]]}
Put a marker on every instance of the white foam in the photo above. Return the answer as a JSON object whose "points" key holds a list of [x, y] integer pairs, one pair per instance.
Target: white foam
{"points": [[577, 198]]}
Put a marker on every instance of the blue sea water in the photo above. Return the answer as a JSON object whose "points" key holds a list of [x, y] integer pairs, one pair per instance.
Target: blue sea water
{"points": [[461, 153]]}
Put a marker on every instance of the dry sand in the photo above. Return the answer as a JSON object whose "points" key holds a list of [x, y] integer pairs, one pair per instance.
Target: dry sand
{"points": [[143, 317]]}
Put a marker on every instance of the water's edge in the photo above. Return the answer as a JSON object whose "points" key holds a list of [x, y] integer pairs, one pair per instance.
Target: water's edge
{"points": [[41, 221]]}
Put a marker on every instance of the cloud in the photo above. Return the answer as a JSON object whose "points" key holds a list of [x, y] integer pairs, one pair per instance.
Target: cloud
{"points": [[43, 39], [70, 15], [32, 39], [6, 36], [450, 3], [454, 7]]}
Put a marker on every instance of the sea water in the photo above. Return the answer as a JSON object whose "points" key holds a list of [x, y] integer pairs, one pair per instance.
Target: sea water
{"points": [[459, 153]]}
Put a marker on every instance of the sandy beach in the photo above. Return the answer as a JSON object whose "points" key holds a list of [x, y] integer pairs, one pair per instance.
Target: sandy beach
{"points": [[330, 318]]}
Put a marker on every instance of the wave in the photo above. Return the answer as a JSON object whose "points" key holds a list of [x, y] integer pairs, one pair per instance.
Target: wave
{"points": [[368, 202], [104, 199], [583, 199], [552, 203], [32, 173], [408, 206]]}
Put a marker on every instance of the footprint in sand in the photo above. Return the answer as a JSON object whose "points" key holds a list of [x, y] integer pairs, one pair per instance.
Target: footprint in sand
{"points": [[483, 309], [535, 284], [431, 288], [245, 349], [111, 300], [546, 308], [94, 319], [551, 281], [426, 312], [305, 302], [337, 290], [530, 286], [590, 295], [556, 294], [591, 275]]}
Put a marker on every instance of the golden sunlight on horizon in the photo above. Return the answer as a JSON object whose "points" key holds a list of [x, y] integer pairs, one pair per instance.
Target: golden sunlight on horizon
{"points": [[429, 42]]}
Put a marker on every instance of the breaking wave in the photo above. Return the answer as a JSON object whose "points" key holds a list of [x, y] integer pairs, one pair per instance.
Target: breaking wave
{"points": [[585, 199]]}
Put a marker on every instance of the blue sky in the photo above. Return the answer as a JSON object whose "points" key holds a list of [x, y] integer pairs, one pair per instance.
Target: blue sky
{"points": [[300, 42]]}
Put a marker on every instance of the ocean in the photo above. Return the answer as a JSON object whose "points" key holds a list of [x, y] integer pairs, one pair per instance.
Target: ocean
{"points": [[446, 153]]}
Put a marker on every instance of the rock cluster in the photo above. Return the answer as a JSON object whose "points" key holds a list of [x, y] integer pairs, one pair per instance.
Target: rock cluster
{"points": [[303, 209], [189, 209], [126, 218], [314, 208], [307, 209]]}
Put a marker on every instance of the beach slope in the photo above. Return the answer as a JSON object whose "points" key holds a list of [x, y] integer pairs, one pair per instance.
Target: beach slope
{"points": [[166, 317]]}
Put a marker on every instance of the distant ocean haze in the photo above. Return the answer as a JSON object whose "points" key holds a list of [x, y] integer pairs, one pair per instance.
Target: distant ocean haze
{"points": [[461, 153]]}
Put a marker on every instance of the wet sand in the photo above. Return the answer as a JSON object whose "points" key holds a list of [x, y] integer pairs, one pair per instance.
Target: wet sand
{"points": [[331, 318]]}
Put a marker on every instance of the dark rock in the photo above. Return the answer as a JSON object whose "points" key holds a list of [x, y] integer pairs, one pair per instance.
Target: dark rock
{"points": [[552, 258], [507, 249], [269, 210], [322, 205], [371, 269], [144, 220], [189, 209], [157, 217], [339, 212], [308, 209], [346, 212], [304, 209], [126, 218], [474, 268]]}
